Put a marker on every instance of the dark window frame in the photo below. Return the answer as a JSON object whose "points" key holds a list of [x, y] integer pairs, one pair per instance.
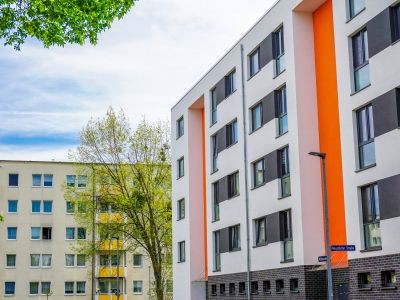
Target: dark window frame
{"points": [[181, 208], [230, 83], [395, 22], [232, 133], [252, 70], [180, 167], [286, 228], [213, 290], [258, 108], [234, 238], [214, 153], [180, 127], [352, 11], [217, 251], [13, 180], [213, 106], [181, 252], [387, 278], [364, 280], [280, 286], [222, 289], [256, 182], [284, 167], [242, 288], [278, 38], [360, 52], [281, 97], [254, 287], [294, 285], [267, 287], [215, 187], [232, 288], [233, 185], [258, 229], [367, 112], [370, 211]]}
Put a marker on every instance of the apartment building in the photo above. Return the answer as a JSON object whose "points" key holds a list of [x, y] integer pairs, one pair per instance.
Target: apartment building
{"points": [[310, 75], [39, 239]]}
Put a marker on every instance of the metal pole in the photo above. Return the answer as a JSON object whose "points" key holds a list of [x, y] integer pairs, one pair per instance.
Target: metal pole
{"points": [[118, 291]]}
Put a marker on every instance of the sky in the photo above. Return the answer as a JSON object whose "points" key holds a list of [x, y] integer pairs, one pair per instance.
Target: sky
{"points": [[144, 64]]}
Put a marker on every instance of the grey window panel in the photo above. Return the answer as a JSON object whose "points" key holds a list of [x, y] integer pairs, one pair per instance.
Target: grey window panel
{"points": [[266, 51], [268, 107], [386, 112], [379, 33], [271, 166], [221, 139], [273, 228], [389, 197], [220, 90], [224, 240], [223, 189]]}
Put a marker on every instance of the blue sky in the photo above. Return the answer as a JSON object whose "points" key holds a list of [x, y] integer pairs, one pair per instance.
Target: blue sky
{"points": [[144, 64]]}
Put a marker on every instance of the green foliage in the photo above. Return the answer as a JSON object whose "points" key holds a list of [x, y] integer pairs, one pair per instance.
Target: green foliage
{"points": [[58, 22]]}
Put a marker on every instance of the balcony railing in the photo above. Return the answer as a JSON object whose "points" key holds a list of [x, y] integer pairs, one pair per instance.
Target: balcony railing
{"points": [[111, 271]]}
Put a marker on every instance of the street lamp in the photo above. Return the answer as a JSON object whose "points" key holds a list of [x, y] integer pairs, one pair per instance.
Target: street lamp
{"points": [[322, 156], [117, 293]]}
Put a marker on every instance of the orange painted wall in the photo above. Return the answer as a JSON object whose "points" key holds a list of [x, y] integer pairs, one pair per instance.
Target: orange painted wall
{"points": [[328, 120], [203, 126]]}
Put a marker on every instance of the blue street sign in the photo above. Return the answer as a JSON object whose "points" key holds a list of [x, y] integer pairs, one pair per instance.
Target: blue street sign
{"points": [[343, 248], [322, 258]]}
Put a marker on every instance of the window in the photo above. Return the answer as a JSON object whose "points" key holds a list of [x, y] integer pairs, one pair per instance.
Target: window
{"points": [[181, 209], [35, 233], [213, 106], [46, 260], [371, 216], [267, 287], [232, 289], [48, 206], [360, 60], [388, 279], [214, 162], [259, 173], [294, 285], [214, 289], [11, 233], [81, 233], [69, 287], [181, 168], [48, 180], [256, 117], [36, 179], [137, 260], [36, 206], [114, 261], [70, 260], [181, 251], [234, 238], [46, 288], [286, 230], [254, 287], [254, 59], [280, 286], [104, 260], [179, 127], [82, 180], [70, 207], [11, 260], [365, 130], [12, 179], [282, 111], [242, 288], [80, 287], [12, 206], [284, 172], [396, 22], [81, 206], [9, 287], [364, 280], [46, 233], [233, 185], [230, 83], [355, 6], [279, 51], [222, 289], [33, 288], [70, 233], [137, 287], [35, 260], [71, 180], [260, 230], [231, 133], [216, 201], [81, 260], [217, 251]]}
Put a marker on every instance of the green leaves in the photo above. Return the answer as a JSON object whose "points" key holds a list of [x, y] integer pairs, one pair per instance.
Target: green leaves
{"points": [[58, 22]]}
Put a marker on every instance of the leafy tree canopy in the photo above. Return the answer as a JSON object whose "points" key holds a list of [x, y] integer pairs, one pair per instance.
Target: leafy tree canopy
{"points": [[58, 22]]}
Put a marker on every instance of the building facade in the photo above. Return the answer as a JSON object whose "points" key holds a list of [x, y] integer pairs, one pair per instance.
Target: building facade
{"points": [[39, 240], [310, 75]]}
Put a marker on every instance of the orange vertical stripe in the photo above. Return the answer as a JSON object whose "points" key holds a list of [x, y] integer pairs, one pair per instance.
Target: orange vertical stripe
{"points": [[204, 192], [328, 121]]}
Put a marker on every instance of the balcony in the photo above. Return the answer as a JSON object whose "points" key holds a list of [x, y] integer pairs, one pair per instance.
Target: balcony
{"points": [[113, 245], [108, 272], [111, 297], [109, 217]]}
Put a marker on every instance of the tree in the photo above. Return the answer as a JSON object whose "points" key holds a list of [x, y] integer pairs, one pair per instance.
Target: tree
{"points": [[58, 22], [130, 171]]}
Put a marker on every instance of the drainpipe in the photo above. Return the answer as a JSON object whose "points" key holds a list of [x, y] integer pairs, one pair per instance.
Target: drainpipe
{"points": [[245, 172]]}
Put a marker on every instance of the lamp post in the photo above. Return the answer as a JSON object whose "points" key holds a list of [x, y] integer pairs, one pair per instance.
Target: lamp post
{"points": [[322, 156], [117, 293]]}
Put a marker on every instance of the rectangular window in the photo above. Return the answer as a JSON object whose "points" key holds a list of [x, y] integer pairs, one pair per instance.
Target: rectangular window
{"points": [[294, 285], [214, 162], [396, 22], [35, 233], [70, 233], [365, 131], [48, 180], [181, 167], [80, 287], [36, 206], [81, 260], [47, 206], [230, 83], [355, 6], [360, 60], [69, 287], [259, 173], [364, 280], [284, 172], [12, 206], [254, 287], [217, 251], [11, 233], [214, 289], [234, 238], [12, 179], [181, 252], [280, 285], [11, 260], [260, 230], [233, 185], [232, 289], [216, 201], [242, 288], [371, 216], [35, 260], [254, 60], [285, 218], [104, 260], [137, 287], [71, 180], [267, 287], [9, 287], [82, 181], [46, 260], [81, 233], [256, 117], [179, 127], [138, 260], [222, 289], [46, 288], [388, 279], [46, 233], [282, 110], [114, 260], [70, 260], [181, 209], [33, 288], [279, 51], [70, 207], [231, 133], [36, 180], [213, 106]]}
